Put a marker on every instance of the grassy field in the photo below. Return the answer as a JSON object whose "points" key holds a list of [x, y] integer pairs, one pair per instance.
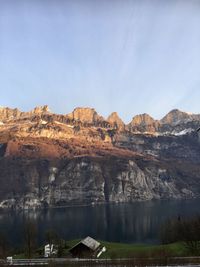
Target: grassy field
{"points": [[120, 250], [127, 255]]}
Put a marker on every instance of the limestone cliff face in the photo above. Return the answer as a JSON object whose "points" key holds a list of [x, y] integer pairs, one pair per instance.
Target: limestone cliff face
{"points": [[176, 116], [143, 123], [88, 115], [143, 119], [7, 114], [116, 121], [39, 110], [86, 180], [49, 160]]}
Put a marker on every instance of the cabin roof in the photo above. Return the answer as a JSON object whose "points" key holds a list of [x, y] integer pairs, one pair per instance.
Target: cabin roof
{"points": [[88, 242], [91, 243]]}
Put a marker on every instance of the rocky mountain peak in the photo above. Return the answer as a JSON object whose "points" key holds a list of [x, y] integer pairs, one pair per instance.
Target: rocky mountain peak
{"points": [[176, 116], [142, 119], [9, 113], [85, 114], [115, 120], [143, 123], [41, 109]]}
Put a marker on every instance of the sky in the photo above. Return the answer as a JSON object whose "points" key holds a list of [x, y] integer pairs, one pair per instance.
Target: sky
{"points": [[129, 56]]}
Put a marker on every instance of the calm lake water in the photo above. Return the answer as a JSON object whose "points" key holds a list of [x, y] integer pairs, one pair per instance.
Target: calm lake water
{"points": [[131, 223]]}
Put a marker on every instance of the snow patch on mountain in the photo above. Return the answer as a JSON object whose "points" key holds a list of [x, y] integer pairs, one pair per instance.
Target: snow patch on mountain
{"points": [[43, 122], [183, 132]]}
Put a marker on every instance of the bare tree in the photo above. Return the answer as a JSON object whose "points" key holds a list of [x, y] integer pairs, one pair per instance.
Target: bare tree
{"points": [[183, 230], [51, 237], [3, 246], [190, 235], [30, 235]]}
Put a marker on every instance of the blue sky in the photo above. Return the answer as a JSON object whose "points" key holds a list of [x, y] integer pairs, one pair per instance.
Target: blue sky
{"points": [[129, 56]]}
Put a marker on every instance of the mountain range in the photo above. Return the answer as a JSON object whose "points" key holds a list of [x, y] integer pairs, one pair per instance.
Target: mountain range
{"points": [[49, 159]]}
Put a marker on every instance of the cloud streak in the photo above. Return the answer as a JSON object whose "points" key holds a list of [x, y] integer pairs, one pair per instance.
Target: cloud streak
{"points": [[129, 56]]}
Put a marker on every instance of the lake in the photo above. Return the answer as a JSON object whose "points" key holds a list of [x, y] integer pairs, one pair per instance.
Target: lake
{"points": [[137, 222]]}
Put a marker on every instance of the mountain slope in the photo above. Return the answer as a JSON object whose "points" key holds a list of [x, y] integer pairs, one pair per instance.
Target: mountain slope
{"points": [[49, 159]]}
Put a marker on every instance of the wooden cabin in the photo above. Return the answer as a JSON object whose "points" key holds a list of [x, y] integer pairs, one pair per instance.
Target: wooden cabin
{"points": [[87, 248]]}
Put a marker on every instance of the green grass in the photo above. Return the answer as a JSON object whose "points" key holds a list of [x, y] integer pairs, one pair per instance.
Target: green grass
{"points": [[118, 250], [121, 250]]}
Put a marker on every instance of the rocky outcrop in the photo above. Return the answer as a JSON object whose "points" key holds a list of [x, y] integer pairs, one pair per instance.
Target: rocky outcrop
{"points": [[88, 180], [50, 160], [143, 123], [116, 121], [7, 114], [176, 116], [143, 119], [85, 115], [39, 110]]}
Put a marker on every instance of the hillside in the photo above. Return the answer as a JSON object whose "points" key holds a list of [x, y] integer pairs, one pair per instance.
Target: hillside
{"points": [[49, 159]]}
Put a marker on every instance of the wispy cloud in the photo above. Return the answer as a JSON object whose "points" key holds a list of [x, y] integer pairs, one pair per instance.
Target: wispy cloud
{"points": [[130, 56]]}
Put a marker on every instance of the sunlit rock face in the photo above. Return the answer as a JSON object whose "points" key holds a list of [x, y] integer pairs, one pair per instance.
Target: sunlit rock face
{"points": [[143, 119], [48, 159], [176, 116], [8, 113], [143, 123], [88, 115], [12, 114], [39, 110], [116, 121]]}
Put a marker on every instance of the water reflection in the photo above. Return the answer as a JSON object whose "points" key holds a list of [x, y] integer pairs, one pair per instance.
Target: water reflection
{"points": [[136, 223]]}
